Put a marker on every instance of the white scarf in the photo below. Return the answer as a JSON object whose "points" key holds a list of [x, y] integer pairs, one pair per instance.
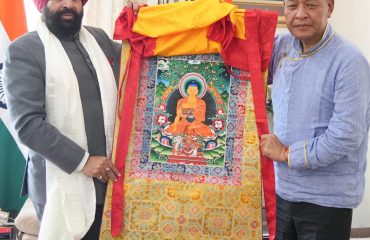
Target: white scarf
{"points": [[70, 207]]}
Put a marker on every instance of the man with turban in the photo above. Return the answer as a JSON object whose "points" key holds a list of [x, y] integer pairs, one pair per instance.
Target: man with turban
{"points": [[60, 84]]}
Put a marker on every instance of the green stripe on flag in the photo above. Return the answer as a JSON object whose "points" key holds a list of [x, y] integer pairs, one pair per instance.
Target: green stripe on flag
{"points": [[12, 166]]}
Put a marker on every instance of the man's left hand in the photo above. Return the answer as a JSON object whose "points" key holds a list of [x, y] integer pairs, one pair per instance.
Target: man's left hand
{"points": [[272, 148]]}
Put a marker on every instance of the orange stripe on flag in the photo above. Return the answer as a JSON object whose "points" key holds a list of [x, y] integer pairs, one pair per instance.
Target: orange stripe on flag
{"points": [[13, 17]]}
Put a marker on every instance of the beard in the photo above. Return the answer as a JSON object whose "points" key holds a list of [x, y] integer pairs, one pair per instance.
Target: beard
{"points": [[62, 27]]}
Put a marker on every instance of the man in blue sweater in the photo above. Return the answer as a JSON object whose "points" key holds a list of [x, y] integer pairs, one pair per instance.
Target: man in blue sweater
{"points": [[321, 100]]}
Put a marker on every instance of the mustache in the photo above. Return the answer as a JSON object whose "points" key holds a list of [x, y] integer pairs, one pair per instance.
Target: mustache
{"points": [[65, 11]]}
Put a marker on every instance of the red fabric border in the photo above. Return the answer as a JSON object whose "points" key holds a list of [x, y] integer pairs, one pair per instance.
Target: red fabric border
{"points": [[252, 21], [142, 45], [123, 141], [260, 30]]}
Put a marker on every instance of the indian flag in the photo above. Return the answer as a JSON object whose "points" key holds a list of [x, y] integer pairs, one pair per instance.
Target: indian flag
{"points": [[12, 161]]}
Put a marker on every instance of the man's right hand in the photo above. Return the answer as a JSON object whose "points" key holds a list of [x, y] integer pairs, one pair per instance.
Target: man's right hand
{"points": [[101, 168], [134, 5]]}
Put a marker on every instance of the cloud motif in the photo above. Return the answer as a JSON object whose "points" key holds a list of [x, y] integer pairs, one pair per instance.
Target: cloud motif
{"points": [[163, 65]]}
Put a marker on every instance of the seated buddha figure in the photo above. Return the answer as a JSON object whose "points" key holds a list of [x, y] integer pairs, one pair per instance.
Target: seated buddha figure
{"points": [[190, 115]]}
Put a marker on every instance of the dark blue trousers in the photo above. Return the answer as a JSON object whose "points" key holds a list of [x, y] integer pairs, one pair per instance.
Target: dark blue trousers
{"points": [[307, 221]]}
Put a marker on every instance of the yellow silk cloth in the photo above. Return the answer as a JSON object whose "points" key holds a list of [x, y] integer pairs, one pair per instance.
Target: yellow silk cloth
{"points": [[179, 22]]}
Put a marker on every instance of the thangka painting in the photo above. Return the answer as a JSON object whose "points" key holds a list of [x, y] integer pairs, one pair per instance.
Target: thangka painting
{"points": [[190, 114], [191, 110], [193, 170]]}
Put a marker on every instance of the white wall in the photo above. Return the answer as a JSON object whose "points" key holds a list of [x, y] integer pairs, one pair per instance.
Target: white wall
{"points": [[32, 14], [351, 19]]}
